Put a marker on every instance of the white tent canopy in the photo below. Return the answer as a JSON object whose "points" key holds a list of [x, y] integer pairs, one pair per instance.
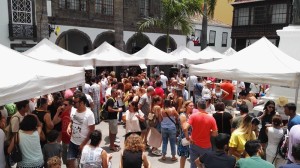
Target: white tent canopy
{"points": [[229, 51], [261, 62], [47, 51], [23, 77], [108, 55], [210, 54], [154, 56], [189, 56]]}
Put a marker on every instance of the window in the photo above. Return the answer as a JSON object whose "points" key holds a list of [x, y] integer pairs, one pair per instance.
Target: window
{"points": [[104, 7], [258, 15], [241, 16], [79, 5], [279, 13], [144, 8], [21, 11], [212, 38], [196, 38], [224, 39]]}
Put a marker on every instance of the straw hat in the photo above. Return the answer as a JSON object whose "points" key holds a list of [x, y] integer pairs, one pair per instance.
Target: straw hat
{"points": [[181, 83], [282, 101]]}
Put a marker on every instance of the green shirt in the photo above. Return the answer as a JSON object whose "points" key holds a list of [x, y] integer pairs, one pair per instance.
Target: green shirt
{"points": [[253, 162]]}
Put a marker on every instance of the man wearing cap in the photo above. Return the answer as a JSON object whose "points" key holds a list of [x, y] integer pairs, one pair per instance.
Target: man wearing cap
{"points": [[164, 81], [185, 93], [204, 126]]}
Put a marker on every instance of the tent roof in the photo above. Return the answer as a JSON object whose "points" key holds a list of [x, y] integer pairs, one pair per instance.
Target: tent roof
{"points": [[155, 56], [47, 51], [188, 56], [261, 62], [24, 77], [229, 51], [210, 53], [108, 55]]}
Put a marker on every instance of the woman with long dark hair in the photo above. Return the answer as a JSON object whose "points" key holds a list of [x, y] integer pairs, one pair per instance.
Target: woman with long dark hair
{"points": [[266, 120]]}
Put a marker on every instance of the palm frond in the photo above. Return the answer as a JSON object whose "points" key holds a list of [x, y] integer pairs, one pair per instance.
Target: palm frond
{"points": [[149, 22], [211, 4]]}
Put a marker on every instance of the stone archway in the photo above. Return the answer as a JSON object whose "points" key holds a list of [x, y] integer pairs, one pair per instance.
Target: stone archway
{"points": [[75, 41], [161, 43], [108, 36], [136, 42]]}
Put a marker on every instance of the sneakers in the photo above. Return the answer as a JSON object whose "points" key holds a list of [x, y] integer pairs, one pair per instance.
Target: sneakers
{"points": [[117, 140], [156, 152]]}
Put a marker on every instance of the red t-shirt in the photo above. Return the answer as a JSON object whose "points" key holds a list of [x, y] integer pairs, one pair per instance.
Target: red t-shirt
{"points": [[65, 121], [160, 92], [228, 87], [202, 125]]}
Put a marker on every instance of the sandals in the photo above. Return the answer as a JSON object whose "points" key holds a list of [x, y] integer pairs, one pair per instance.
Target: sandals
{"points": [[156, 152], [174, 159], [163, 158]]}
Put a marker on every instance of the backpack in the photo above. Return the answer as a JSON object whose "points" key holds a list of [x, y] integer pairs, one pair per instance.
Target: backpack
{"points": [[104, 112], [282, 148]]}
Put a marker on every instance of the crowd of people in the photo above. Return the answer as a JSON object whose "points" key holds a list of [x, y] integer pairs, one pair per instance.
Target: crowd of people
{"points": [[208, 120]]}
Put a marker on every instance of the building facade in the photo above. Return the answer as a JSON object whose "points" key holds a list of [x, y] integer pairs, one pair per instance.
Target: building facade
{"points": [[82, 25], [253, 19]]}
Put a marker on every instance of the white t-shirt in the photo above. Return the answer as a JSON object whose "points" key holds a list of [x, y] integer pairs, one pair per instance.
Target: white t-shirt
{"points": [[95, 92], [89, 98], [86, 88], [239, 86], [80, 124], [2, 156], [132, 122], [191, 81], [254, 88], [164, 81]]}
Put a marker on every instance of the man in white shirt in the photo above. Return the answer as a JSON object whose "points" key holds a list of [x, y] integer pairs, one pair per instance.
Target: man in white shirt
{"points": [[164, 81], [81, 126], [94, 91], [190, 83]]}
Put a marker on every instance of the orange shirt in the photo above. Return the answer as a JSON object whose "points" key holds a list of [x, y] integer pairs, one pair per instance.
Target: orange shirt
{"points": [[228, 87], [202, 125]]}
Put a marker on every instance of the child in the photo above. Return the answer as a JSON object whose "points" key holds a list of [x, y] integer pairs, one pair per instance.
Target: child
{"points": [[52, 148], [54, 162]]}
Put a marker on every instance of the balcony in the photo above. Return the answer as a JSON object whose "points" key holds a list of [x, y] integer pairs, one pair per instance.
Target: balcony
{"points": [[256, 31], [22, 31]]}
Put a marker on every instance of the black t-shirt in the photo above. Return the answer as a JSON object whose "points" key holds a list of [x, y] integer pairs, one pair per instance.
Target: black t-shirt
{"points": [[112, 103], [223, 126], [217, 159]]}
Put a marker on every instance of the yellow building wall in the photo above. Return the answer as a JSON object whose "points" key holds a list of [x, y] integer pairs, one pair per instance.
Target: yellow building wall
{"points": [[224, 11]]}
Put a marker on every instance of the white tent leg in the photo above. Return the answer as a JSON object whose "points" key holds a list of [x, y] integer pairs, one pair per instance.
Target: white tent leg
{"points": [[297, 92]]}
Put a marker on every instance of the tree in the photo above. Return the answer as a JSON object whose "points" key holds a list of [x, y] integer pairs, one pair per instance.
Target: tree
{"points": [[207, 11], [174, 14]]}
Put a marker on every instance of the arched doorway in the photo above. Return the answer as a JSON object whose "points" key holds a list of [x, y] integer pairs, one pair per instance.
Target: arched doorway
{"points": [[107, 36], [75, 41], [136, 42], [161, 43]]}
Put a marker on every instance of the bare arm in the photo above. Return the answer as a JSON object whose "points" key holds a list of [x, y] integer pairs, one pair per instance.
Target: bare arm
{"points": [[104, 159], [49, 124], [121, 161], [145, 161]]}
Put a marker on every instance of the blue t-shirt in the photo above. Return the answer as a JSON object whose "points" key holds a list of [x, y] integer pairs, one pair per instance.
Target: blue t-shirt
{"points": [[294, 121], [293, 165]]}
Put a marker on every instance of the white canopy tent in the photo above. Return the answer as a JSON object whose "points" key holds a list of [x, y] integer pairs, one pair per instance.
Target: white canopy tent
{"points": [[154, 56], [24, 77], [210, 54], [261, 62], [108, 55], [229, 51], [189, 56], [47, 51]]}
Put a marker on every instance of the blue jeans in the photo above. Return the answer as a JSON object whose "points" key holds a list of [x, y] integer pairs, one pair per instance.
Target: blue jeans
{"points": [[96, 111], [168, 134], [195, 152]]}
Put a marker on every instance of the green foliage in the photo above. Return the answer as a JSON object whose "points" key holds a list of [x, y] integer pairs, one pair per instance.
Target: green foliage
{"points": [[175, 13]]}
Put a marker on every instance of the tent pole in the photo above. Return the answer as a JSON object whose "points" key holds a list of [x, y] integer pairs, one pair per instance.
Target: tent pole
{"points": [[297, 91], [189, 87]]}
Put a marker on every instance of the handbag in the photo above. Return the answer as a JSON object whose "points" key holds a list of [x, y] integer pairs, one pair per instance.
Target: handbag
{"points": [[16, 154], [142, 125]]}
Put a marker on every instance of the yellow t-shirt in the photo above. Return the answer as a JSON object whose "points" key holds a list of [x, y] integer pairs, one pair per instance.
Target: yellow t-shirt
{"points": [[238, 140]]}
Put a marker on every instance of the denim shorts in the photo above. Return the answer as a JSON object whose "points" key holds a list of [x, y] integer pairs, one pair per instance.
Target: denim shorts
{"points": [[73, 151]]}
